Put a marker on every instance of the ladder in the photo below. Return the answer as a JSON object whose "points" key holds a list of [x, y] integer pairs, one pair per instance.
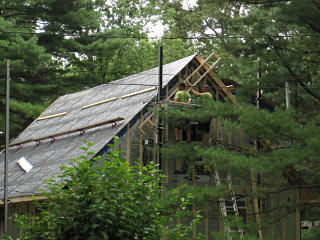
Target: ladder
{"points": [[223, 207]]}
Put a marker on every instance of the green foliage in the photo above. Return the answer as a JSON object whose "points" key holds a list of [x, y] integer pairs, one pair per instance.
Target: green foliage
{"points": [[105, 198], [274, 130], [285, 142], [243, 31], [310, 234]]}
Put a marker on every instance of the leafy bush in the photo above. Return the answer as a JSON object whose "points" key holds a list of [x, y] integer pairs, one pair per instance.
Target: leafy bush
{"points": [[104, 199]]}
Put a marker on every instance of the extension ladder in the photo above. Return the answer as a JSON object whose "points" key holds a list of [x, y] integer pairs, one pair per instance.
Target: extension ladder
{"points": [[223, 207]]}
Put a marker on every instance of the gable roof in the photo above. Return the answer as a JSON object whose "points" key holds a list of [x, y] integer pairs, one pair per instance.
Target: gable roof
{"points": [[73, 112]]}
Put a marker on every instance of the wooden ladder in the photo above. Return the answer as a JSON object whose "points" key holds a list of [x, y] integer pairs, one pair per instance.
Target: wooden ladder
{"points": [[223, 207], [196, 71]]}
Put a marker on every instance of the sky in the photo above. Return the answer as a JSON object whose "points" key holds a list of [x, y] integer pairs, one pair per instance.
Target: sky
{"points": [[157, 29]]}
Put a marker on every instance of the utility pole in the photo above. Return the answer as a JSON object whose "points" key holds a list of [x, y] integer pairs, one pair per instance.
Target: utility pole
{"points": [[287, 95], [159, 131], [256, 179], [6, 216]]}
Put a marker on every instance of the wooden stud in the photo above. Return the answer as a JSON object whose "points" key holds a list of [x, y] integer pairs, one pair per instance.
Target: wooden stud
{"points": [[178, 209], [166, 129], [206, 220], [164, 237], [256, 206], [194, 230], [98, 103], [33, 211], [261, 200], [284, 218], [52, 116], [221, 224], [167, 170], [162, 190], [298, 224], [272, 218], [166, 133], [177, 165], [217, 120], [144, 122], [139, 92], [128, 143], [248, 206]]}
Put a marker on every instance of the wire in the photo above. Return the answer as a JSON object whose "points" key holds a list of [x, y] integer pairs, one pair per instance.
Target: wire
{"points": [[155, 85], [165, 38], [151, 85]]}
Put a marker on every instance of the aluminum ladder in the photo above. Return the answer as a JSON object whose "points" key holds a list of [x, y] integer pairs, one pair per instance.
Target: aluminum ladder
{"points": [[223, 207]]}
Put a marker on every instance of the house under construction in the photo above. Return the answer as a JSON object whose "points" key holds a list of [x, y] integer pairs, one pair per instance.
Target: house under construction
{"points": [[123, 108]]}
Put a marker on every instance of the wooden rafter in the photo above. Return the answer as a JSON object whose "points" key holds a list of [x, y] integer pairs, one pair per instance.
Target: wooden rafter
{"points": [[207, 70], [216, 79], [208, 77], [187, 80], [194, 72]]}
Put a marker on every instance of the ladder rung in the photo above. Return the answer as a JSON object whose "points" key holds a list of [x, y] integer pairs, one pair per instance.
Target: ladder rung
{"points": [[228, 209]]}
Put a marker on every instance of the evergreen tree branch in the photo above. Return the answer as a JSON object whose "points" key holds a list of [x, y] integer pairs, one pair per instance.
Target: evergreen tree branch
{"points": [[295, 76]]}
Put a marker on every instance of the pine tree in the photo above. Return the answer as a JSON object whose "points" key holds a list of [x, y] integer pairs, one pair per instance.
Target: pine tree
{"points": [[284, 36], [58, 47]]}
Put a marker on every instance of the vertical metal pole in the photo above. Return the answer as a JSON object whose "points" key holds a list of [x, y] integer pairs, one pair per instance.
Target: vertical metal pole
{"points": [[6, 216], [287, 95], [253, 177], [160, 74], [159, 120]]}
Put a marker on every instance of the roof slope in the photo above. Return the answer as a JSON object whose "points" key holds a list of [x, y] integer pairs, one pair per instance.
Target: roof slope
{"points": [[48, 156]]}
